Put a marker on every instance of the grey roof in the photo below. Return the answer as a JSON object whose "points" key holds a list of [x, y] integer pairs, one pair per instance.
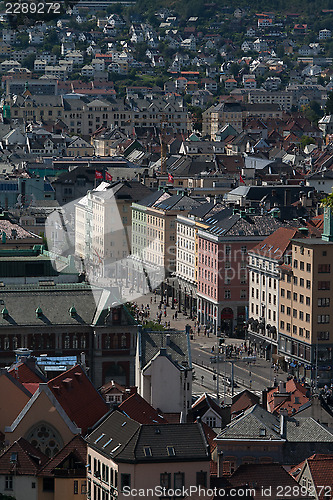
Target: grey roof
{"points": [[174, 345], [21, 301], [249, 425], [307, 429], [122, 439], [125, 190], [247, 226], [178, 202]]}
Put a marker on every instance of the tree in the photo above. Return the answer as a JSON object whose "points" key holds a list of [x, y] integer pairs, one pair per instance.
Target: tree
{"points": [[28, 62], [306, 140]]}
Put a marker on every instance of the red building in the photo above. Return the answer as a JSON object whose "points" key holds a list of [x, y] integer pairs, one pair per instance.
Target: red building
{"points": [[222, 295]]}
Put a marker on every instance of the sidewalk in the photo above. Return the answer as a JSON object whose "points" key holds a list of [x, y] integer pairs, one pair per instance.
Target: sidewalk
{"points": [[204, 342]]}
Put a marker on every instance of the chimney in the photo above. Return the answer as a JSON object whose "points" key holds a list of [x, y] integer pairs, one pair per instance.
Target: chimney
{"points": [[287, 198], [220, 463], [168, 339], [282, 425], [264, 399], [328, 225], [133, 389]]}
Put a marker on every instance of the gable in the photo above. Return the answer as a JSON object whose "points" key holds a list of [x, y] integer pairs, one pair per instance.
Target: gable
{"points": [[42, 407], [13, 398]]}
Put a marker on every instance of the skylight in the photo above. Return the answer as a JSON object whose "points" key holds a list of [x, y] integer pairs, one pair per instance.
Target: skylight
{"points": [[100, 437], [116, 448], [108, 442], [171, 451]]}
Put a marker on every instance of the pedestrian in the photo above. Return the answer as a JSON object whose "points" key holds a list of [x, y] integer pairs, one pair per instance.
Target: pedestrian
{"points": [[176, 315]]}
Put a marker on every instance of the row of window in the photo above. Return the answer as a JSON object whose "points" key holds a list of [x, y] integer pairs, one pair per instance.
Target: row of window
{"points": [[271, 282], [263, 296], [287, 327]]}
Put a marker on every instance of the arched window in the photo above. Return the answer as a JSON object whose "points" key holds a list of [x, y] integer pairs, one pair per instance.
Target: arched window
{"points": [[83, 342], [107, 342], [75, 342], [44, 437], [115, 341], [6, 344]]}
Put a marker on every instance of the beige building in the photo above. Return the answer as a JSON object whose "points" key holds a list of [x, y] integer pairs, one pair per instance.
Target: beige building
{"points": [[125, 457], [305, 331]]}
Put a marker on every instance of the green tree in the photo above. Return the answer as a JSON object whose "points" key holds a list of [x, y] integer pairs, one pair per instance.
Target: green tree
{"points": [[306, 140], [28, 62]]}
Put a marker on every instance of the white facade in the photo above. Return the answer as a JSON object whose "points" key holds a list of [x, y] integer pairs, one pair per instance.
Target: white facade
{"points": [[164, 385], [325, 34], [19, 487], [264, 295]]}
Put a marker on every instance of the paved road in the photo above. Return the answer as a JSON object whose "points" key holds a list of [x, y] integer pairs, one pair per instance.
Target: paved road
{"points": [[261, 374]]}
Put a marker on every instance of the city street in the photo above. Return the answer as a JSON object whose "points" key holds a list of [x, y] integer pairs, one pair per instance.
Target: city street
{"points": [[256, 376]]}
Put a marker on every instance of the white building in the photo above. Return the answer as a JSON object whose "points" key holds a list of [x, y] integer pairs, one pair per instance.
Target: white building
{"points": [[325, 34], [163, 372], [264, 261]]}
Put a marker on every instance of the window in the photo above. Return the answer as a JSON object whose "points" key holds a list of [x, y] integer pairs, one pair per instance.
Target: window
{"points": [[301, 315], [295, 296], [295, 264], [147, 451], [307, 318], [294, 313], [301, 299], [323, 335], [179, 478], [324, 285], [202, 479], [282, 292], [295, 329], [324, 268], [308, 284], [125, 480], [307, 301], [227, 294], [295, 280], [282, 308], [288, 294], [323, 302], [165, 480], [301, 282], [282, 325], [288, 327], [308, 268], [171, 451], [323, 318], [76, 487], [9, 483], [301, 265], [211, 421]]}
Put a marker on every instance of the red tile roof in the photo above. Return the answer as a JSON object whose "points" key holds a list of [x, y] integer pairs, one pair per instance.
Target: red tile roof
{"points": [[276, 244], [77, 447], [78, 397], [321, 468], [243, 401], [260, 476], [26, 373], [293, 390], [29, 459], [141, 411]]}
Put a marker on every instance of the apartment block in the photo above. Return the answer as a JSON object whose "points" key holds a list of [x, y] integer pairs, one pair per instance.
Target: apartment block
{"points": [[305, 331], [264, 272]]}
